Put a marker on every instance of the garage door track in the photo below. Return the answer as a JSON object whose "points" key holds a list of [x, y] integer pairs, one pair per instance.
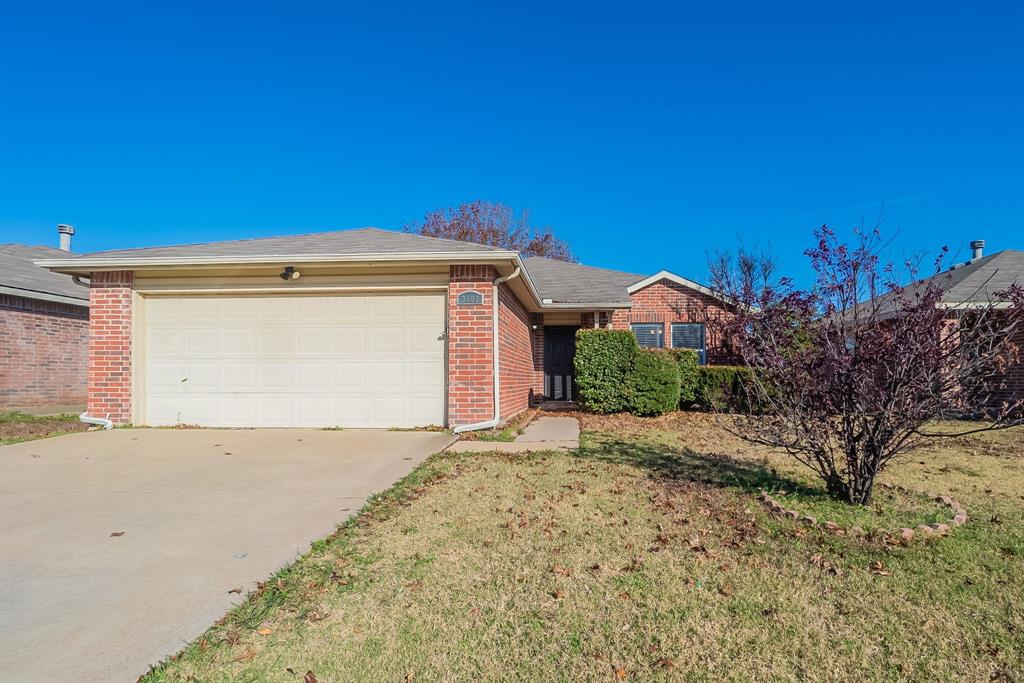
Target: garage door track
{"points": [[118, 547]]}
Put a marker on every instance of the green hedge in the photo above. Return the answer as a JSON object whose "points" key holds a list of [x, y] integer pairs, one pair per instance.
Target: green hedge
{"points": [[688, 362], [717, 385], [654, 383], [604, 362]]}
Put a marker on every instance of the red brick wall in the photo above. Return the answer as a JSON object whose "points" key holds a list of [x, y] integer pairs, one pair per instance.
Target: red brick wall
{"points": [[520, 375], [110, 346], [470, 347], [1012, 379], [43, 352], [667, 302]]}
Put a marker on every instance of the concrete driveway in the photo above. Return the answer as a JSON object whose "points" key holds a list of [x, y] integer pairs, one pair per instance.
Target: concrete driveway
{"points": [[201, 512]]}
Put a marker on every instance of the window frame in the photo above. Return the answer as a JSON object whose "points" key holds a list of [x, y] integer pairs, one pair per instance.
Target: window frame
{"points": [[660, 335]]}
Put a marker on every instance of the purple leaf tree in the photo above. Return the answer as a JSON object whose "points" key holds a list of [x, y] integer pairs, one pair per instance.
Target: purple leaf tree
{"points": [[852, 372]]}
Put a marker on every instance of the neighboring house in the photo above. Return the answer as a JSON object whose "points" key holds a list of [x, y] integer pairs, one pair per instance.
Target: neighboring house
{"points": [[360, 328], [44, 332], [978, 283]]}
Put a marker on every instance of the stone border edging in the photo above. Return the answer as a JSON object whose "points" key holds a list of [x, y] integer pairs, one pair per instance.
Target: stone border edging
{"points": [[905, 534]]}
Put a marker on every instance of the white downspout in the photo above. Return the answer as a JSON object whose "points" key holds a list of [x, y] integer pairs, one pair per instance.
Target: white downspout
{"points": [[100, 421], [493, 422]]}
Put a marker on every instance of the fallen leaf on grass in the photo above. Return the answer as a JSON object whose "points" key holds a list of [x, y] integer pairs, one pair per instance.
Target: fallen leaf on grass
{"points": [[879, 569], [620, 673], [557, 595], [237, 591], [563, 571], [665, 663], [310, 677], [264, 631], [726, 589], [246, 656]]}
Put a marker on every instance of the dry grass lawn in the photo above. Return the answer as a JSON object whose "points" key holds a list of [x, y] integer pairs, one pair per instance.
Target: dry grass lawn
{"points": [[17, 427], [643, 557]]}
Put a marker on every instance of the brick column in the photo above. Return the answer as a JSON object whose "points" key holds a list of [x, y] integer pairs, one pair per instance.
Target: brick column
{"points": [[470, 346], [110, 345]]}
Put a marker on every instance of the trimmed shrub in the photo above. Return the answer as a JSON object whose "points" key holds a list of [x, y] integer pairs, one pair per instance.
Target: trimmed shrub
{"points": [[604, 362], [717, 385], [688, 361], [654, 383]]}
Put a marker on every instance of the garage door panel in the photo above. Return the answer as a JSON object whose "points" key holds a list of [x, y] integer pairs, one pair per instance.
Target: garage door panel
{"points": [[202, 377], [317, 361], [237, 341], [200, 340], [199, 308], [166, 376], [425, 374], [240, 376], [423, 339], [387, 374], [238, 308], [274, 340], [275, 309], [349, 340], [313, 309], [313, 340], [276, 376], [164, 341], [312, 376]]}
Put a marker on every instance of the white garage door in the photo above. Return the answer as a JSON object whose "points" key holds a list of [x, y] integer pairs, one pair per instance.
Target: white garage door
{"points": [[295, 361]]}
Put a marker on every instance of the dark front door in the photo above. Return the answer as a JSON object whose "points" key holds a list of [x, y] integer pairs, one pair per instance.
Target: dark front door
{"points": [[559, 373]]}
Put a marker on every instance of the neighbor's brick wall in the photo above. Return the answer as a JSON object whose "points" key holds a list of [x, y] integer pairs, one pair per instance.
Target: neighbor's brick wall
{"points": [[667, 302], [470, 347], [1012, 379], [110, 345], [519, 373], [43, 352]]}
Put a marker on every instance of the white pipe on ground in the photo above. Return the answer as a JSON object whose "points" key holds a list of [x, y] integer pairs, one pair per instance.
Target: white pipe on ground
{"points": [[99, 421], [493, 422]]}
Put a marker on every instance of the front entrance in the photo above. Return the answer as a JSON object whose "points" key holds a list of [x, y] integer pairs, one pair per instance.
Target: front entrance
{"points": [[559, 372]]}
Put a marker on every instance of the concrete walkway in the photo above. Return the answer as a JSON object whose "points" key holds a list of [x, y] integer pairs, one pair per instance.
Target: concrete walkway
{"points": [[118, 547], [543, 434]]}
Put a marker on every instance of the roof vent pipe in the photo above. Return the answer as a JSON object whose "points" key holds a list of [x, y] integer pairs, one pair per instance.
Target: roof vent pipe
{"points": [[65, 232], [977, 249]]}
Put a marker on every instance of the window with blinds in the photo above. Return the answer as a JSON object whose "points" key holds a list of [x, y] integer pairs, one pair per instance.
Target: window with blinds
{"points": [[649, 335], [689, 336]]}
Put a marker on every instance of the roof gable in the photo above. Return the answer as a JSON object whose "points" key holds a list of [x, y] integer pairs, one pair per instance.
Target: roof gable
{"points": [[672, 277]]}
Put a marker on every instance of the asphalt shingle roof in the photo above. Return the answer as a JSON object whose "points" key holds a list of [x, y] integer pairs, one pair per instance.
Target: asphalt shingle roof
{"points": [[17, 272], [360, 241], [978, 281], [564, 282]]}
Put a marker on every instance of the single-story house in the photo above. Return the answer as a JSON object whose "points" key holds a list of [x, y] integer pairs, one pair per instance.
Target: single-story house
{"points": [[357, 328], [44, 332], [978, 282]]}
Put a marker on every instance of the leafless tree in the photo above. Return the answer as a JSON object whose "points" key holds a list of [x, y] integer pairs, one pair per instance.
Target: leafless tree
{"points": [[493, 224], [849, 373]]}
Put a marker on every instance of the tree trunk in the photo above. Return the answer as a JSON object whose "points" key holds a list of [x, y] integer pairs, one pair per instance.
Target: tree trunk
{"points": [[860, 488]]}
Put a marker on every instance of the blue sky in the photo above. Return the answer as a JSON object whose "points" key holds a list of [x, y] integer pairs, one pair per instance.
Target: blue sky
{"points": [[646, 135]]}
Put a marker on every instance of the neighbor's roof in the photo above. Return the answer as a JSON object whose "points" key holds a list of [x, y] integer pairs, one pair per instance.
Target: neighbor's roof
{"points": [[20, 277], [979, 281], [359, 241], [564, 282]]}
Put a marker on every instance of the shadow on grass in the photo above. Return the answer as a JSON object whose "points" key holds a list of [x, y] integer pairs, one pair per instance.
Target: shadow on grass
{"points": [[689, 465]]}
